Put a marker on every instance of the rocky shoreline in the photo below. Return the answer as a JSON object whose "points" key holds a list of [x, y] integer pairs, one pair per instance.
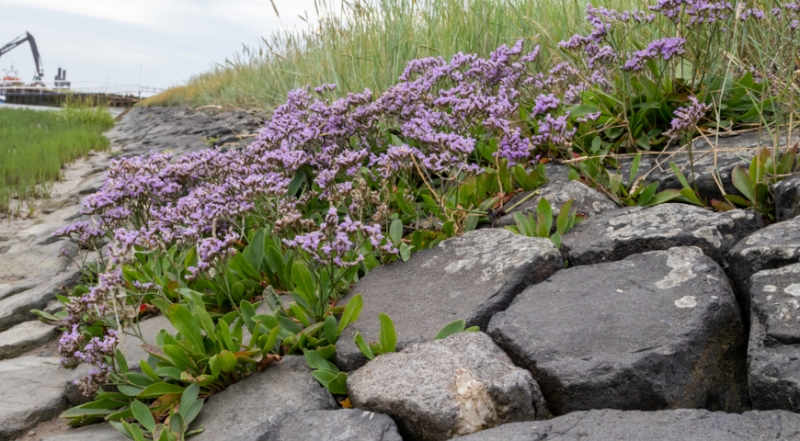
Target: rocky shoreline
{"points": [[669, 322]]}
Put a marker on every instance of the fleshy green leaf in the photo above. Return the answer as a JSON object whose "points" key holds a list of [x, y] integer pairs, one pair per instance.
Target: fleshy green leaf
{"points": [[143, 415], [450, 329], [387, 335]]}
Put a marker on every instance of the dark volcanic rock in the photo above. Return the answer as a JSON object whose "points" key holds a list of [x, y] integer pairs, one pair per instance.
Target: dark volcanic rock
{"points": [[665, 425], [339, 425], [586, 201], [468, 277], [655, 331], [787, 198], [772, 247], [617, 234], [236, 412], [445, 388], [774, 350]]}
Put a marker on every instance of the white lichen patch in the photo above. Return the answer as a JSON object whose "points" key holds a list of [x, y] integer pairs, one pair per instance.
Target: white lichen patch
{"points": [[770, 288], [710, 235], [681, 260], [686, 302], [793, 289], [474, 405]]}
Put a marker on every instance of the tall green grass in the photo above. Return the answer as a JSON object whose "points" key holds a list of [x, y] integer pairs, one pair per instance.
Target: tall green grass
{"points": [[34, 145], [367, 43]]}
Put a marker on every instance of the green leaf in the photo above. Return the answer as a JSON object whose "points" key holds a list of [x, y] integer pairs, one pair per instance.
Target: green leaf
{"points": [[351, 312], [691, 196], [387, 336], [272, 338], [330, 328], [741, 180], [541, 226], [122, 364], [396, 231], [148, 370], [159, 389], [296, 182], [679, 175], [334, 382], [405, 251], [129, 390], [556, 239], [404, 206], [450, 329], [562, 221], [304, 282], [472, 329], [228, 361], [185, 323], [664, 196], [449, 228], [143, 415], [177, 424], [314, 360], [634, 169], [365, 349], [647, 194], [274, 260]]}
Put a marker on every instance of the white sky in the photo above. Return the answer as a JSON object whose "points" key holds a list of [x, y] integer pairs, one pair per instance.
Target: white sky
{"points": [[109, 40]]}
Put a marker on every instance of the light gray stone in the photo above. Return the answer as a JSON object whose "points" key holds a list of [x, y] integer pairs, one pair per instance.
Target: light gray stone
{"points": [[468, 277], [25, 336], [32, 391], [446, 388], [94, 432], [330, 425], [774, 350], [148, 329], [654, 331], [617, 234], [664, 425], [787, 198], [17, 308], [31, 262], [235, 413], [586, 202], [772, 247]]}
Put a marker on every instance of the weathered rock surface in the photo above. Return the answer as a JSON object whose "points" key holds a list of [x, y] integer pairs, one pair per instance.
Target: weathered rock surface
{"points": [[149, 328], [32, 391], [16, 308], [787, 198], [94, 432], [31, 262], [586, 201], [447, 388], [617, 234], [25, 336], [772, 247], [774, 350], [333, 425], [664, 425], [657, 330], [469, 277], [236, 412]]}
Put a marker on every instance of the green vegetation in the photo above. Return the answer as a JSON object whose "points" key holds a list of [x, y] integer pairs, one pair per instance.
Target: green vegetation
{"points": [[34, 145], [367, 44]]}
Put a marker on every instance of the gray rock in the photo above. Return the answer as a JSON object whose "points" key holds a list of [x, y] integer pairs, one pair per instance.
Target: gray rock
{"points": [[774, 350], [617, 234], [94, 432], [32, 392], [235, 413], [657, 330], [25, 336], [732, 151], [772, 247], [447, 388], [148, 329], [586, 201], [9, 289], [16, 309], [787, 198], [664, 425], [332, 425], [468, 277], [31, 262], [556, 172]]}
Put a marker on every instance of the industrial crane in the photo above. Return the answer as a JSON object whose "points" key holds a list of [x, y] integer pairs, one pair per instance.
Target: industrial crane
{"points": [[36, 58]]}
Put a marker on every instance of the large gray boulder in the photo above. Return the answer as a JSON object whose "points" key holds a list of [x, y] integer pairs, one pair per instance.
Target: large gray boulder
{"points": [[17, 308], [586, 201], [236, 413], [330, 425], [447, 388], [664, 425], [774, 350], [772, 247], [32, 391], [617, 234], [787, 198], [468, 277], [657, 330]]}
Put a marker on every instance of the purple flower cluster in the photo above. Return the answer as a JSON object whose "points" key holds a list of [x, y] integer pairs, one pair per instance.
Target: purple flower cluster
{"points": [[82, 234], [686, 118], [97, 352], [667, 48], [696, 12]]}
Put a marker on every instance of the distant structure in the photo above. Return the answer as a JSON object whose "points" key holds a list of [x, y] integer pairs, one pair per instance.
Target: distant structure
{"points": [[22, 39]]}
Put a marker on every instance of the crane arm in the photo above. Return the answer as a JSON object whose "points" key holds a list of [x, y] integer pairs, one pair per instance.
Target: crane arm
{"points": [[35, 49]]}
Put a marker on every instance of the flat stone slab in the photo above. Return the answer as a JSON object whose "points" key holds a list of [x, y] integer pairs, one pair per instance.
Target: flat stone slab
{"points": [[94, 432], [617, 234], [149, 328], [25, 336], [446, 388], [30, 262], [787, 198], [237, 412], [32, 391], [339, 425], [774, 350], [772, 247], [586, 201], [17, 308], [654, 331], [664, 425], [468, 277]]}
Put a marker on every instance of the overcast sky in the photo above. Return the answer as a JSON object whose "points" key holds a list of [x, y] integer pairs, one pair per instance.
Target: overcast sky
{"points": [[110, 40]]}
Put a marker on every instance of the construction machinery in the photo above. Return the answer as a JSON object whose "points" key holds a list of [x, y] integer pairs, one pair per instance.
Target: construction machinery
{"points": [[27, 37]]}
